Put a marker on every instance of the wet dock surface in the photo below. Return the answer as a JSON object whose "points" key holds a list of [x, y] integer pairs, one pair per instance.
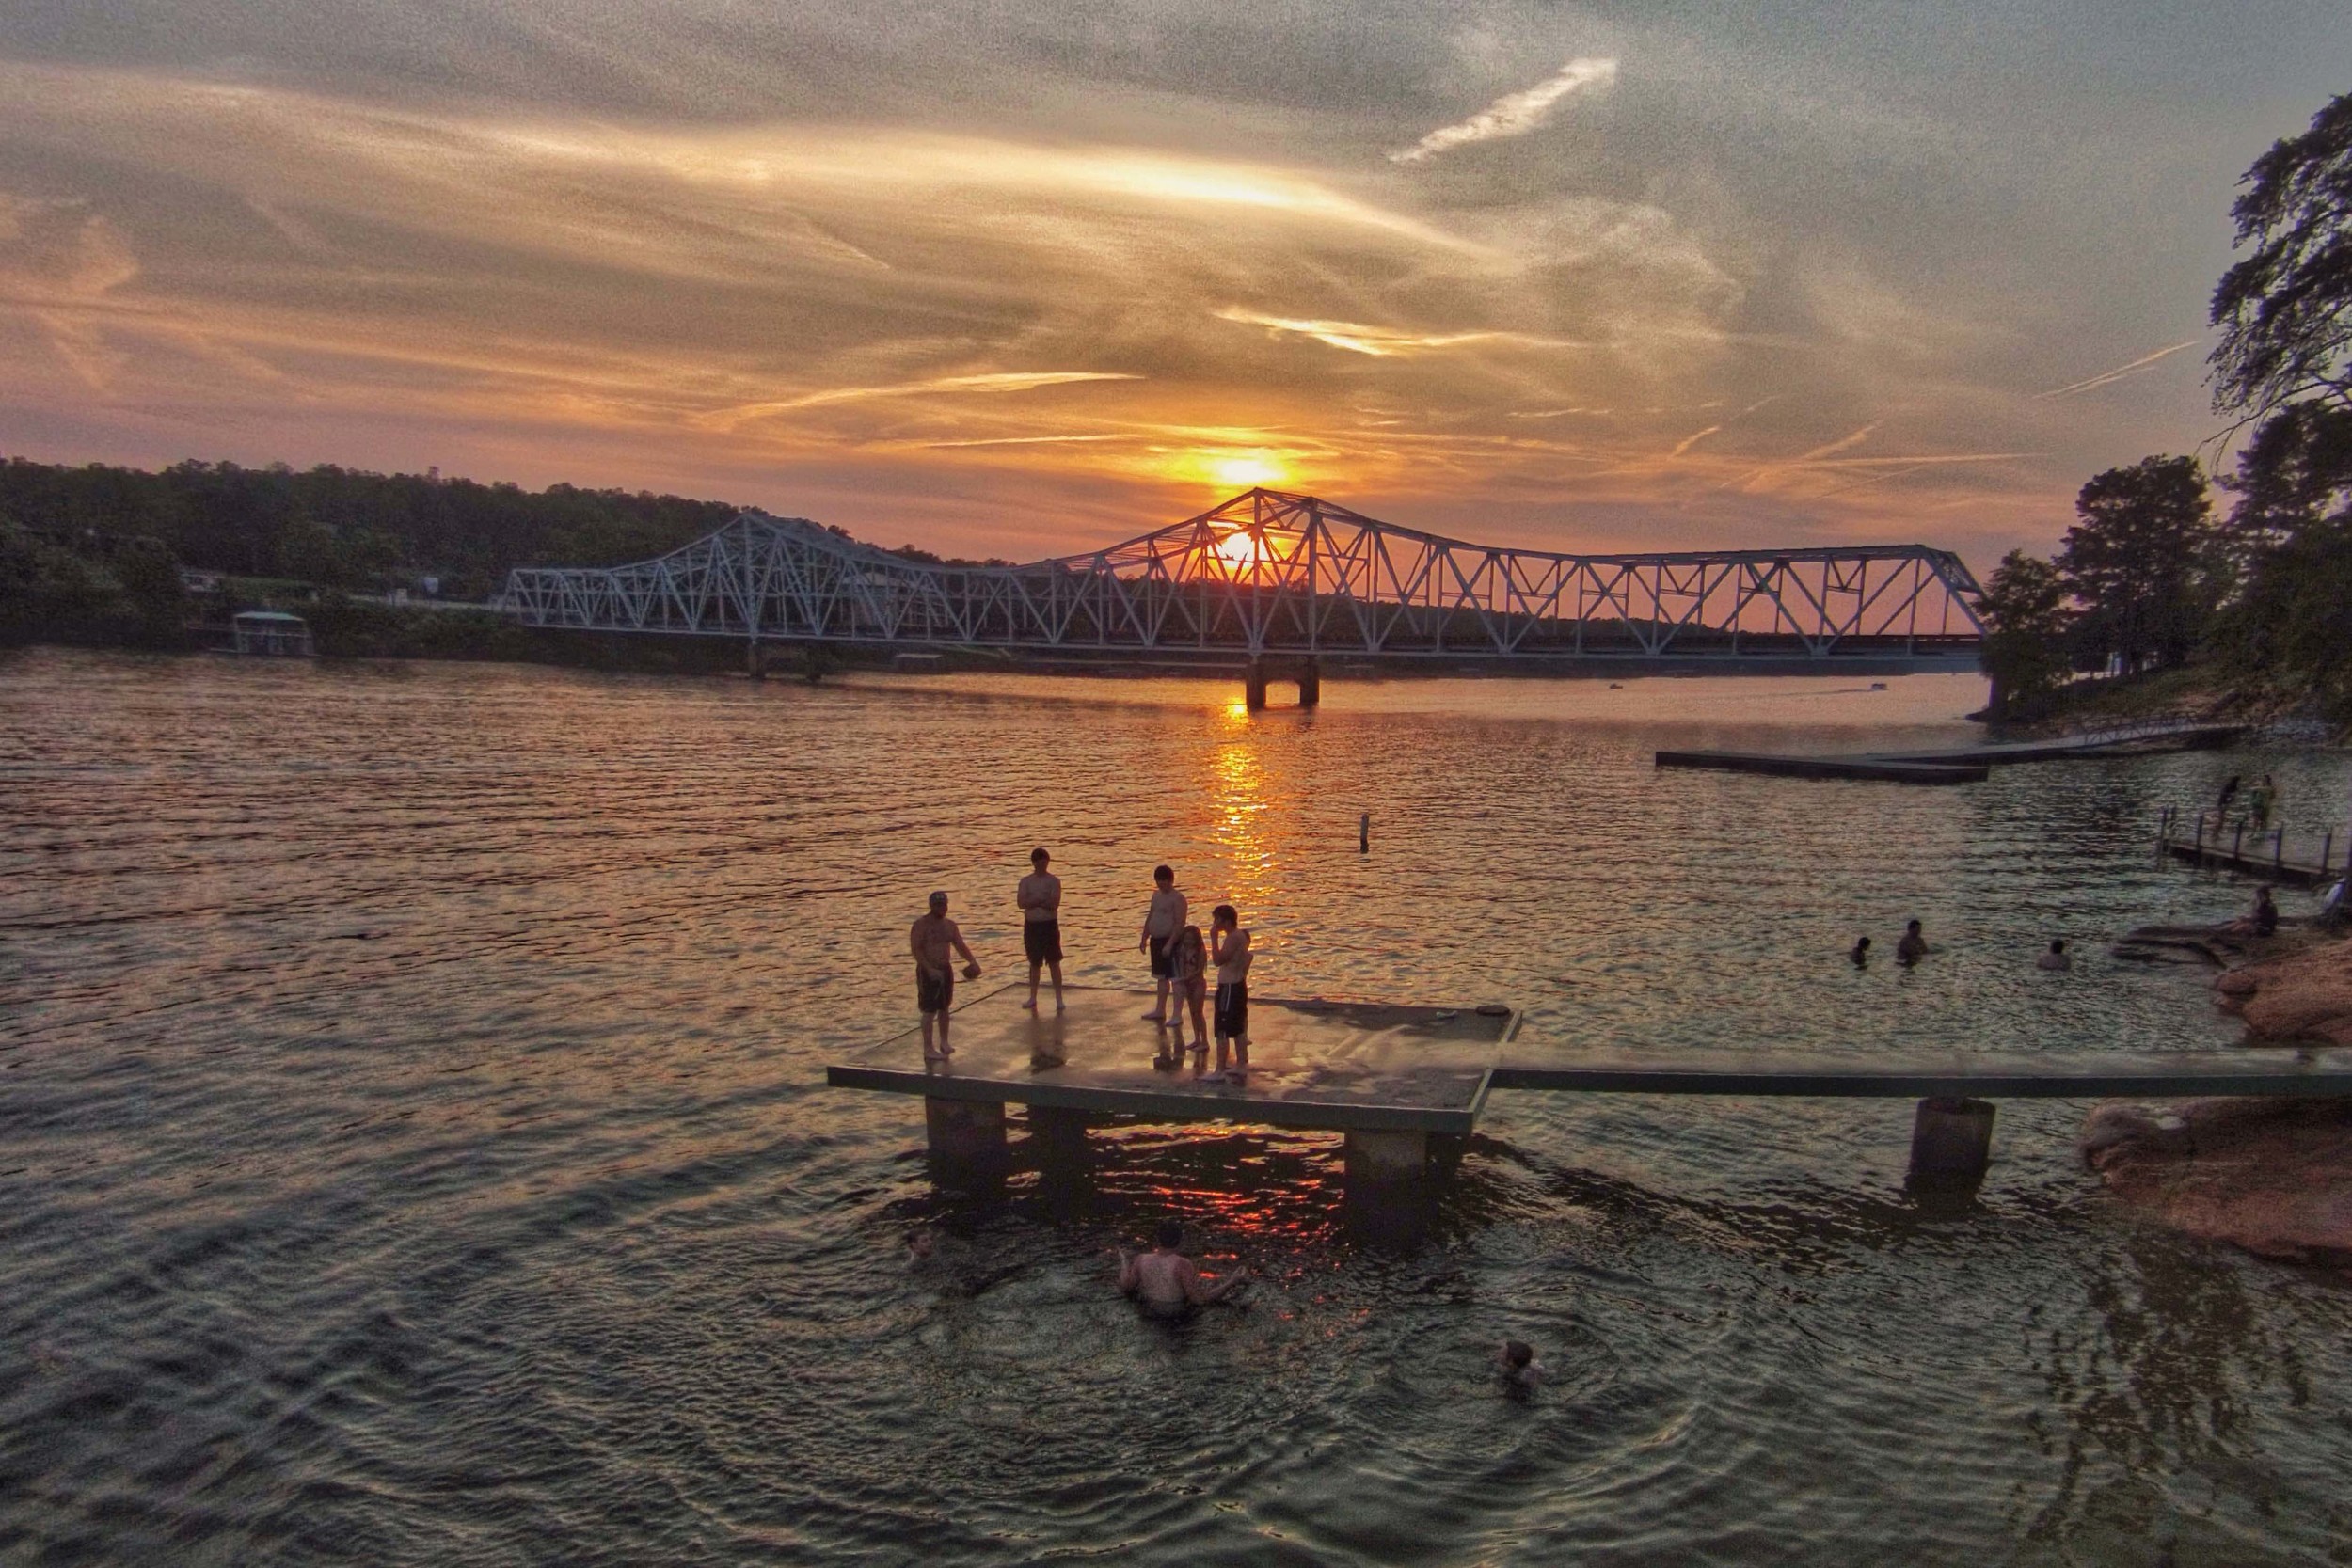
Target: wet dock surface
{"points": [[1339, 1066], [1958, 764]]}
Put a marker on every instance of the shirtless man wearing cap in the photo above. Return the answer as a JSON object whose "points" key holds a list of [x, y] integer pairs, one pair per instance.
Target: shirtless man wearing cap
{"points": [[930, 939]]}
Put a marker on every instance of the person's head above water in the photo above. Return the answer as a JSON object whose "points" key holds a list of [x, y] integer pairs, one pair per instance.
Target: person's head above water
{"points": [[1517, 1353], [1164, 876], [2057, 944], [939, 903], [1862, 944], [1037, 856], [1171, 1234], [1913, 928]]}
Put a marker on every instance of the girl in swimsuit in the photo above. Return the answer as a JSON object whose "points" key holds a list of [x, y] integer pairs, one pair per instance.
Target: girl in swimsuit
{"points": [[1189, 993]]}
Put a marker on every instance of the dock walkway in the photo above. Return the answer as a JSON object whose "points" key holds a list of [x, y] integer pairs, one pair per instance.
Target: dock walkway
{"points": [[1406, 1084], [1963, 764], [2271, 854]]}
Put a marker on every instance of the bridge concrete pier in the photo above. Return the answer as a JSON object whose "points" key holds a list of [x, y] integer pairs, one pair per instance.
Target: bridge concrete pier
{"points": [[1305, 672], [755, 660]]}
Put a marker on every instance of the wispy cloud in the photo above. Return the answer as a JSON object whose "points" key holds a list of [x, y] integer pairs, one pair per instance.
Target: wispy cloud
{"points": [[1514, 114], [1378, 341], [1003, 380], [1683, 446], [1844, 443], [2118, 373]]}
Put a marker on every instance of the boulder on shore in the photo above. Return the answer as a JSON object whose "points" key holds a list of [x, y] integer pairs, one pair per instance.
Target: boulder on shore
{"points": [[2299, 997], [2272, 1175]]}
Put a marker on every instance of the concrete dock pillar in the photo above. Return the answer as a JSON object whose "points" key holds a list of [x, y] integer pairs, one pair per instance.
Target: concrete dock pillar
{"points": [[1383, 1159], [1059, 1135], [1445, 1153], [1310, 684], [967, 1135], [1253, 686], [1951, 1142], [755, 660]]}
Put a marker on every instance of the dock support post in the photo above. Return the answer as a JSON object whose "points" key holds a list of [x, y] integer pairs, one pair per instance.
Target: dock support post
{"points": [[755, 660], [1060, 1136], [2237, 842], [967, 1134], [1253, 686], [2278, 851], [1385, 1159], [1445, 1153], [1951, 1142], [2327, 854], [1310, 684]]}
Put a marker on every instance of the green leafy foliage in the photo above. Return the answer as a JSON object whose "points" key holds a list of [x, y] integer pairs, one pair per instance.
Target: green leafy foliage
{"points": [[344, 527], [2141, 562], [2285, 364], [2026, 619]]}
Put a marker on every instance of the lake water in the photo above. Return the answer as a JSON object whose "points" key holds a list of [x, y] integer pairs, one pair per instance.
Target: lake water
{"points": [[415, 1150]]}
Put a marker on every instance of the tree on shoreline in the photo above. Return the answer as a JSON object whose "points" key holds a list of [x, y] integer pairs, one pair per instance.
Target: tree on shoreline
{"points": [[2141, 561], [2026, 621], [2284, 366]]}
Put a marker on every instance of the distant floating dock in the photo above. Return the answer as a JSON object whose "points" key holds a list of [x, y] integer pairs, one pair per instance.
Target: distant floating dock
{"points": [[1963, 764], [1406, 1084]]}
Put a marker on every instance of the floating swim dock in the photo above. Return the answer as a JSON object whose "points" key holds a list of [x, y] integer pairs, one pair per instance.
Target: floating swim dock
{"points": [[2267, 853], [1406, 1084], [1964, 764]]}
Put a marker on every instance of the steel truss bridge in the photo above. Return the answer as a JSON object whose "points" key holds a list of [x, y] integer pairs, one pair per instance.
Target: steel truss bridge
{"points": [[1285, 582]]}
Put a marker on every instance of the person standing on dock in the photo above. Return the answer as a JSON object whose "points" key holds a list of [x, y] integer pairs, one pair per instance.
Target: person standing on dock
{"points": [[1039, 897], [1913, 948], [1161, 922], [1229, 948], [930, 939], [2229, 793]]}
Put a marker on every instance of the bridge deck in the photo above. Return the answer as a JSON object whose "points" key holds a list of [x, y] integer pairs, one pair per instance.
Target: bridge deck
{"points": [[1362, 1067]]}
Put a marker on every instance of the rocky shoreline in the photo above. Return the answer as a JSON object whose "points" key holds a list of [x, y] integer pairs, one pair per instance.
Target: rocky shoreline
{"points": [[2272, 1175]]}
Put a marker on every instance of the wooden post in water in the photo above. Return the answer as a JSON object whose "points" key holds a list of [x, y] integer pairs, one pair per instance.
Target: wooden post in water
{"points": [[1363, 834], [2279, 849], [1951, 1142], [966, 1136]]}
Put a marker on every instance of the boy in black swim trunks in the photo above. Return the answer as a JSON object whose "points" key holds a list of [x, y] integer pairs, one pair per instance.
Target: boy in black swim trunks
{"points": [[1161, 922], [930, 939], [1039, 897]]}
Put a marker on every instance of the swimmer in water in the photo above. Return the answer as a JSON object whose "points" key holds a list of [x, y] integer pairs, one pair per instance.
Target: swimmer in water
{"points": [[1913, 948], [918, 1246], [1861, 954], [2056, 959], [1165, 1280], [1516, 1362]]}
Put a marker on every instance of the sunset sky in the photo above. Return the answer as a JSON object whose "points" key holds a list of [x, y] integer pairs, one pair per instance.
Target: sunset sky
{"points": [[1016, 278]]}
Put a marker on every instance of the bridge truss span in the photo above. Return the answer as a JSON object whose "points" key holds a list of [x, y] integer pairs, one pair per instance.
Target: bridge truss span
{"points": [[1270, 573]]}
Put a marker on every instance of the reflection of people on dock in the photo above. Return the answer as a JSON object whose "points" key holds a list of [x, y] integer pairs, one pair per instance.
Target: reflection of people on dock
{"points": [[1188, 992], [1161, 922], [1230, 950], [930, 939], [1515, 1359], [1913, 948], [1039, 897], [2263, 922], [1861, 954], [1165, 1280], [2056, 959]]}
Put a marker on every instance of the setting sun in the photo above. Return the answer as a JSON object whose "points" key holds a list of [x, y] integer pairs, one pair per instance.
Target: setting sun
{"points": [[1246, 470], [1241, 547]]}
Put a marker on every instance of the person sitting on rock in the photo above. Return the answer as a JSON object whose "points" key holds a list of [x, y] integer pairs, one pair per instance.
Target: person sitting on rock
{"points": [[2264, 922]]}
